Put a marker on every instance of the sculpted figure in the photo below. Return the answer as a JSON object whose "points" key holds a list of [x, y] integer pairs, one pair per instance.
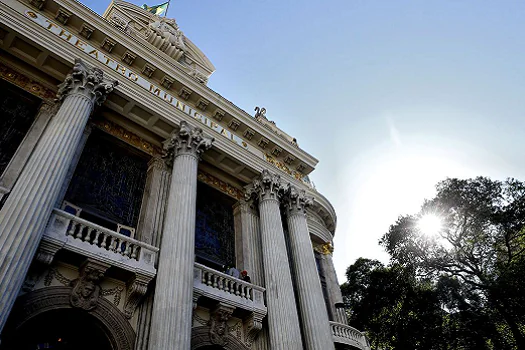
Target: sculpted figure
{"points": [[169, 30], [86, 290]]}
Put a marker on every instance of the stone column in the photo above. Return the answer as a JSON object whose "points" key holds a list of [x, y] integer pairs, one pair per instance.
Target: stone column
{"points": [[149, 230], [17, 163], [335, 296], [173, 304], [314, 317], [249, 253], [283, 321], [153, 208], [248, 241], [28, 207]]}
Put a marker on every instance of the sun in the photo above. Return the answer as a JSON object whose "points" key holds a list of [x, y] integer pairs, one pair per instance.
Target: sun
{"points": [[430, 224]]}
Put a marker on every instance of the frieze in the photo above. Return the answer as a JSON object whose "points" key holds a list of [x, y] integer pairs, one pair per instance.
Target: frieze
{"points": [[127, 136], [27, 84], [148, 86], [220, 185], [299, 176]]}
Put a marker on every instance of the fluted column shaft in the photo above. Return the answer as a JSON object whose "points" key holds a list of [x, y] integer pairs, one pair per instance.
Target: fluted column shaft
{"points": [[334, 290], [314, 317], [173, 304], [283, 321], [27, 209], [149, 230], [248, 241]]}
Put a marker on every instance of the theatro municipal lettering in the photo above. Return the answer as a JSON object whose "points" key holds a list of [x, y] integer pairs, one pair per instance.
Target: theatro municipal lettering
{"points": [[129, 74]]}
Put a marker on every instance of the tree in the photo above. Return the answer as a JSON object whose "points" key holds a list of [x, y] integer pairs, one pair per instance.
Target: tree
{"points": [[481, 248], [463, 288], [395, 309]]}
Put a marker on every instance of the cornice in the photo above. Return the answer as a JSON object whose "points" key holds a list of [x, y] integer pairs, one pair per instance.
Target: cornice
{"points": [[166, 64]]}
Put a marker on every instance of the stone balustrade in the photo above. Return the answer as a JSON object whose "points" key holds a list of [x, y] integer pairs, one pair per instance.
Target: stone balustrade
{"points": [[66, 231], [349, 335], [228, 289]]}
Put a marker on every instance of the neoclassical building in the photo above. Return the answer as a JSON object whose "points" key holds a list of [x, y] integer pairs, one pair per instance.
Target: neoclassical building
{"points": [[128, 188]]}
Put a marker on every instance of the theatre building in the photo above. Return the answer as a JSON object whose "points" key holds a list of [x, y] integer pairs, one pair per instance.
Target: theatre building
{"points": [[139, 209]]}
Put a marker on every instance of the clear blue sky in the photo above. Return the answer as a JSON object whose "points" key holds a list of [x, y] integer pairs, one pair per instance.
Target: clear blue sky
{"points": [[390, 96]]}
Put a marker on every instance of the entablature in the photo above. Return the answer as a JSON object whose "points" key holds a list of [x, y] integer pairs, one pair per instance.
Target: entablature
{"points": [[136, 57]]}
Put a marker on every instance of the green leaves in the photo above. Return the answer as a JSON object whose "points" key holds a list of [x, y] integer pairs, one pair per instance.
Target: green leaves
{"points": [[463, 288]]}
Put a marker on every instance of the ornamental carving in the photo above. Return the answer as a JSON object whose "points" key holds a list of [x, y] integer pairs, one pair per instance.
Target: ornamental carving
{"points": [[324, 249], [165, 34], [136, 290], [267, 186], [86, 288], [218, 327], [25, 83], [127, 136], [296, 201], [220, 185], [187, 140], [86, 81]]}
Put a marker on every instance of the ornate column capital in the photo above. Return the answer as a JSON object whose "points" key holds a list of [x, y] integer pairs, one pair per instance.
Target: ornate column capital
{"points": [[296, 201], [89, 82], [186, 140], [267, 186]]}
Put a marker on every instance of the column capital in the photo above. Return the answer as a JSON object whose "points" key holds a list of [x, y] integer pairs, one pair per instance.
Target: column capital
{"points": [[89, 82], [187, 140], [296, 201], [267, 186]]}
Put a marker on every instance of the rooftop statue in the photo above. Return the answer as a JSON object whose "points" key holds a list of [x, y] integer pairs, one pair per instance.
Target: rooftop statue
{"points": [[168, 29]]}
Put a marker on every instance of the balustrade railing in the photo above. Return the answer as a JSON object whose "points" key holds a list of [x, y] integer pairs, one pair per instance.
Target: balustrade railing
{"points": [[349, 335], [90, 239], [221, 286]]}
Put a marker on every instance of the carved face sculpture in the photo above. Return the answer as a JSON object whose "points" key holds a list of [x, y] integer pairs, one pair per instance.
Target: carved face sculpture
{"points": [[87, 289]]}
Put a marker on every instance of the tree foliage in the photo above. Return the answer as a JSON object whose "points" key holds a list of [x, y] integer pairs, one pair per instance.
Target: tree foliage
{"points": [[461, 289]]}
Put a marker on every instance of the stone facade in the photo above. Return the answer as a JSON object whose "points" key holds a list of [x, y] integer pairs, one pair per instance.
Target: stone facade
{"points": [[115, 232]]}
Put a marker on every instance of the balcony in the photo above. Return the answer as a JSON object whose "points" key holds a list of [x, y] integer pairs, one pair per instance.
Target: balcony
{"points": [[227, 289], [347, 335], [67, 231]]}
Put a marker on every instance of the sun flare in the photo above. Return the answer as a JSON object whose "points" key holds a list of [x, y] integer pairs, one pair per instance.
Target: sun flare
{"points": [[430, 224]]}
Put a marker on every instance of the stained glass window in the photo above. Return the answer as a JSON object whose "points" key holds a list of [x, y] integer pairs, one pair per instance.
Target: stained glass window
{"points": [[214, 229], [109, 181], [18, 109]]}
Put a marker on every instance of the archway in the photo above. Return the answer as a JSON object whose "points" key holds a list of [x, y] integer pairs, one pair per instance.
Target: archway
{"points": [[49, 309], [200, 339], [62, 329]]}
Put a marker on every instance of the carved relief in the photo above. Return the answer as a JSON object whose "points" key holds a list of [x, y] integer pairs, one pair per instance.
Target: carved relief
{"points": [[127, 136], [164, 33], [136, 290], [86, 288], [220, 185], [27, 84], [218, 327], [324, 249]]}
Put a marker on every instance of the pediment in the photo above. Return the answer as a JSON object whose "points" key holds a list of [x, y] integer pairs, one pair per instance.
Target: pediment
{"points": [[163, 34]]}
